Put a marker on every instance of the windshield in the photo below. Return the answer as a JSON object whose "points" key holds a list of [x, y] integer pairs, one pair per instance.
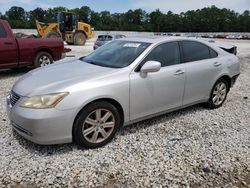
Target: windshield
{"points": [[116, 54], [104, 38]]}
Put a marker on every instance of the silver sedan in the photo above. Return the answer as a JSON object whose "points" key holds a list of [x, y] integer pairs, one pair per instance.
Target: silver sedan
{"points": [[125, 81]]}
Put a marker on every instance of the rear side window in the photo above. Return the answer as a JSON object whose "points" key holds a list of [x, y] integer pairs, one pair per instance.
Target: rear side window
{"points": [[167, 54], [3, 34], [213, 53], [194, 51]]}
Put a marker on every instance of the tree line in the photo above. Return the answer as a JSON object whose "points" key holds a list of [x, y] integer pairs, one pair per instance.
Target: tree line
{"points": [[210, 19]]}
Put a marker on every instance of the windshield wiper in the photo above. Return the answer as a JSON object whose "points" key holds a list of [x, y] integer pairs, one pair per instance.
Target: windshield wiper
{"points": [[93, 63], [90, 62], [99, 64]]}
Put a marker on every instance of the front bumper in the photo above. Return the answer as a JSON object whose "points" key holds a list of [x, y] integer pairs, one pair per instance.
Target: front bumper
{"points": [[42, 126]]}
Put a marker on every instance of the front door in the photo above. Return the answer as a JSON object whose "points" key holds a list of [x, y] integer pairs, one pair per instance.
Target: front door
{"points": [[161, 90]]}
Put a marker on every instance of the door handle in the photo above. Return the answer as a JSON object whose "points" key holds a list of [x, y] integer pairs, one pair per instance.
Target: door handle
{"points": [[216, 64], [178, 72], [8, 43]]}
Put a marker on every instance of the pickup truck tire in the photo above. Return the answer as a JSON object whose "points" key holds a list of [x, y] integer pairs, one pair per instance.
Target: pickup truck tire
{"points": [[43, 59], [52, 34], [79, 39]]}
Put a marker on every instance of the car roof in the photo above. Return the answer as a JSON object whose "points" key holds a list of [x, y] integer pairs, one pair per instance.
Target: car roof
{"points": [[154, 40], [158, 39]]}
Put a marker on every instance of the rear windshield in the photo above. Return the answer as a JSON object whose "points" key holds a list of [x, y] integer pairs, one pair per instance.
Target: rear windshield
{"points": [[104, 38], [116, 54]]}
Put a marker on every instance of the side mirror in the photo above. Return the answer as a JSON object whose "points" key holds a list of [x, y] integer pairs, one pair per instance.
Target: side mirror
{"points": [[150, 66]]}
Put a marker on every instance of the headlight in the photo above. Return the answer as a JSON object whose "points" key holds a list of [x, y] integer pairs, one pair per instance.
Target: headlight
{"points": [[43, 101]]}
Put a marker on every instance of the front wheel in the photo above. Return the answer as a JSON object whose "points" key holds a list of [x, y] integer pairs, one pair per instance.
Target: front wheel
{"points": [[96, 124], [218, 94]]}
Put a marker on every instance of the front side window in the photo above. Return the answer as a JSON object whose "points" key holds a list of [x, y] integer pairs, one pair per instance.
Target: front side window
{"points": [[116, 54], [194, 51], [167, 54], [3, 34]]}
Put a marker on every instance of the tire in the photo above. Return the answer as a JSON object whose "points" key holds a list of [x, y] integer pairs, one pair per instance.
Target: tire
{"points": [[52, 34], [43, 59], [79, 39], [88, 128], [216, 99]]}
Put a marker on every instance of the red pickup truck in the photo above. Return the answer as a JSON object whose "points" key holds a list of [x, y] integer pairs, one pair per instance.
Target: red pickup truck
{"points": [[21, 52]]}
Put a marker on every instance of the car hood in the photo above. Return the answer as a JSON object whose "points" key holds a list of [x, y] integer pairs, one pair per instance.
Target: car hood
{"points": [[54, 78]]}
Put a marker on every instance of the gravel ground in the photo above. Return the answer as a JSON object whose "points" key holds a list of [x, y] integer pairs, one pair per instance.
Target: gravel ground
{"points": [[193, 147]]}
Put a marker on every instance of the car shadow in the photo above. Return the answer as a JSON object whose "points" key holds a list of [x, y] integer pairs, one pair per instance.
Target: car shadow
{"points": [[48, 150], [43, 150], [13, 72], [132, 128]]}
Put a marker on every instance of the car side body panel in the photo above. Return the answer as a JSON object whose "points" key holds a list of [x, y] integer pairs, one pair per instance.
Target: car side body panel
{"points": [[156, 92], [200, 78]]}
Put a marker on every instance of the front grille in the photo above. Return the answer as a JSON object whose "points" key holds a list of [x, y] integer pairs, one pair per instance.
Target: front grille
{"points": [[13, 98]]}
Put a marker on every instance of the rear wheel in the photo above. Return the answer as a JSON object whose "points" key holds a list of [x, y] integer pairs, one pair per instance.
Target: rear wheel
{"points": [[218, 94], [43, 59], [96, 125], [79, 39]]}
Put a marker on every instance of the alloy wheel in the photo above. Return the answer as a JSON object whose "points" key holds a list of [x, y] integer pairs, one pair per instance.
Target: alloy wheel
{"points": [[219, 93], [98, 125], [44, 61]]}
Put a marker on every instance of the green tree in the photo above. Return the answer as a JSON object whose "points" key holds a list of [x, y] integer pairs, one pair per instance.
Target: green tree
{"points": [[210, 19], [244, 20], [17, 17], [51, 14], [106, 20], [36, 14], [16, 13], [95, 20], [156, 19], [84, 13]]}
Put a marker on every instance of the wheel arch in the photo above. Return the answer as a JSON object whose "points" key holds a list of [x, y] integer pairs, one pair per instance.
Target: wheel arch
{"points": [[106, 99], [227, 78], [209, 102], [43, 50]]}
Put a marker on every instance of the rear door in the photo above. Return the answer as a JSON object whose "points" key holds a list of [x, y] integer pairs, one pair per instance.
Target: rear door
{"points": [[8, 50], [202, 68]]}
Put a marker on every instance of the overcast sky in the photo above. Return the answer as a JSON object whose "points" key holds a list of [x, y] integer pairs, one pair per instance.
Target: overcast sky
{"points": [[120, 6]]}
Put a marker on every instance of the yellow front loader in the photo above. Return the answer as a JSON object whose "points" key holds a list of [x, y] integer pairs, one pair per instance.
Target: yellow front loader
{"points": [[68, 27]]}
